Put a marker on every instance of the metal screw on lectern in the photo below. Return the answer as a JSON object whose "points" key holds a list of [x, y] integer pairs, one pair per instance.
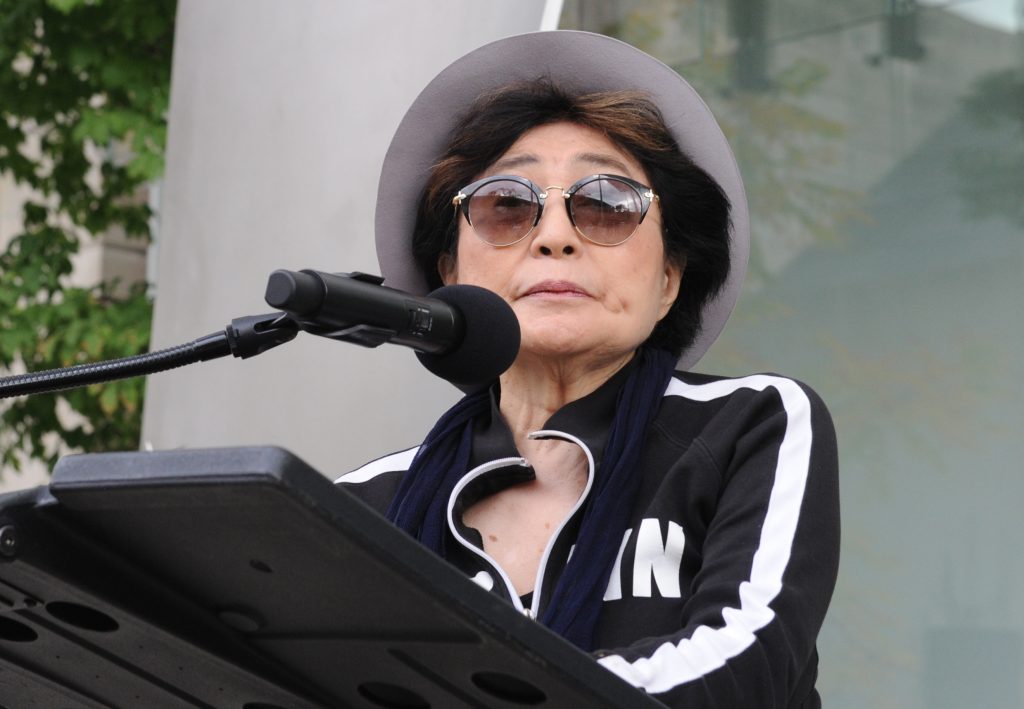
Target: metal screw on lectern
{"points": [[8, 540]]}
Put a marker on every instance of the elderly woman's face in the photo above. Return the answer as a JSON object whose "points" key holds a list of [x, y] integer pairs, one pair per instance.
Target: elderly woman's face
{"points": [[571, 296]]}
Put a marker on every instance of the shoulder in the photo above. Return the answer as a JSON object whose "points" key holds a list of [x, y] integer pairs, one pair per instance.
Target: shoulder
{"points": [[393, 462], [708, 387], [767, 393], [375, 483], [726, 412]]}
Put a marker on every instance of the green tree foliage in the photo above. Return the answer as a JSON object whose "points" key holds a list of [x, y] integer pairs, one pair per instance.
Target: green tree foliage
{"points": [[84, 88]]}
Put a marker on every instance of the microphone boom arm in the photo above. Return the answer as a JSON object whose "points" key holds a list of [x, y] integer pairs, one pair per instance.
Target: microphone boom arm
{"points": [[244, 337]]}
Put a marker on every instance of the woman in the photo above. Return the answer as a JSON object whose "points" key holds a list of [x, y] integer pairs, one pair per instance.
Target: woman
{"points": [[682, 527]]}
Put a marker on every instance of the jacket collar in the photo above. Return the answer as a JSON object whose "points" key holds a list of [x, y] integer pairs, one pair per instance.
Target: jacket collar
{"points": [[587, 418]]}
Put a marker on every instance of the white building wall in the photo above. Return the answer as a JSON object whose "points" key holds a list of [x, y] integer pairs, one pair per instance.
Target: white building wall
{"points": [[281, 113]]}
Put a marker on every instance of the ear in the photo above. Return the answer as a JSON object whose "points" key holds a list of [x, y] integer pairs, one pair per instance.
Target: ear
{"points": [[447, 268], [672, 277]]}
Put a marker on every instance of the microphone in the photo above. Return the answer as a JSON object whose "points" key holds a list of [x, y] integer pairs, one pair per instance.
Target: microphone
{"points": [[465, 334]]}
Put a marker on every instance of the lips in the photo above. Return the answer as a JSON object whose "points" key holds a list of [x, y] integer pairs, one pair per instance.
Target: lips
{"points": [[556, 288]]}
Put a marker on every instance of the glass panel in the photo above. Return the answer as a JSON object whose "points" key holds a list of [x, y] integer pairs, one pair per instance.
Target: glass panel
{"points": [[882, 145]]}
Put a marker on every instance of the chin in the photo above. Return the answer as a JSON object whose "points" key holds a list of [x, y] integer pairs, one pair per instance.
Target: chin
{"points": [[556, 335], [570, 344]]}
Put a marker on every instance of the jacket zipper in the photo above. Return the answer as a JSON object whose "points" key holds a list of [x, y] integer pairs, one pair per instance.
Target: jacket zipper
{"points": [[533, 611], [456, 491]]}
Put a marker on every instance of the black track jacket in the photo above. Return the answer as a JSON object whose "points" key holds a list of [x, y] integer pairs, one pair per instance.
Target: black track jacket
{"points": [[728, 565]]}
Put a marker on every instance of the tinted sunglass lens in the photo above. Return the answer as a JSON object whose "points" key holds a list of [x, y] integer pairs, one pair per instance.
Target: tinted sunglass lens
{"points": [[503, 212], [606, 211]]}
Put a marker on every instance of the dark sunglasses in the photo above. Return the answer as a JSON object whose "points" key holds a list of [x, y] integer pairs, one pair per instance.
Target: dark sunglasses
{"points": [[604, 209]]}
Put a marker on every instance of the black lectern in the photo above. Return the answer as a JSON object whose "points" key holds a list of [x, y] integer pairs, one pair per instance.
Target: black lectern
{"points": [[243, 578]]}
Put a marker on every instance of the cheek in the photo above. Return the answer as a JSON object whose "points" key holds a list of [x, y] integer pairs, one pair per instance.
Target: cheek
{"points": [[651, 285], [478, 264]]}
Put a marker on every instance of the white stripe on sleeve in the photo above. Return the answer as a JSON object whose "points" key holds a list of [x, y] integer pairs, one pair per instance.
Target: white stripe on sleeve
{"points": [[396, 461], [708, 649]]}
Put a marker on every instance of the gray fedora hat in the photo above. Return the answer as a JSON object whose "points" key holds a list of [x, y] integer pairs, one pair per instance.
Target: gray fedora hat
{"points": [[577, 60]]}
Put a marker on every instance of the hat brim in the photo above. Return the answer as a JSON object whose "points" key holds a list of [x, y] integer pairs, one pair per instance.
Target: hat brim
{"points": [[579, 61]]}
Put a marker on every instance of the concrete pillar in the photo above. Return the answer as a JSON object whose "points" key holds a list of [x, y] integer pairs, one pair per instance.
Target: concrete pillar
{"points": [[280, 116]]}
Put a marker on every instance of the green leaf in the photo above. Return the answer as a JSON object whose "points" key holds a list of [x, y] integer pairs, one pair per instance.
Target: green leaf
{"points": [[108, 399], [67, 6]]}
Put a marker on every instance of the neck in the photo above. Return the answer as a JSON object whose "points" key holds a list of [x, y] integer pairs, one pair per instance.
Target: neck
{"points": [[535, 388]]}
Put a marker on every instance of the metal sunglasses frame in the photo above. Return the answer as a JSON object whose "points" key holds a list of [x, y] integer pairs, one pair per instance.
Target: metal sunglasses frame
{"points": [[645, 193]]}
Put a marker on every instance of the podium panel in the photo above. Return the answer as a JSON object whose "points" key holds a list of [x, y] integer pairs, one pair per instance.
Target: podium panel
{"points": [[241, 577]]}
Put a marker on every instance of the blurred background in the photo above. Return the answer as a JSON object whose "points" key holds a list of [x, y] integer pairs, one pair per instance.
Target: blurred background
{"points": [[882, 145]]}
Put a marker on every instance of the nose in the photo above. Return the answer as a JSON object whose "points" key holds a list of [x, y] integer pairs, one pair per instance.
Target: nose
{"points": [[554, 234]]}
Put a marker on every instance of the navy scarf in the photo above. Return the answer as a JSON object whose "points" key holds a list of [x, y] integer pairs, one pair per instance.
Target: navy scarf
{"points": [[420, 504]]}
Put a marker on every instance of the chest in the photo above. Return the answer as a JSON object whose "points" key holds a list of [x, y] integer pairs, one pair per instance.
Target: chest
{"points": [[517, 524]]}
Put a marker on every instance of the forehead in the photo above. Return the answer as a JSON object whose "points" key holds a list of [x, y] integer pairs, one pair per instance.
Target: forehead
{"points": [[570, 146]]}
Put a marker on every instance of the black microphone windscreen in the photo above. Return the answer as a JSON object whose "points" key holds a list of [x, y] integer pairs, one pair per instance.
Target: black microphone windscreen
{"points": [[490, 343]]}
